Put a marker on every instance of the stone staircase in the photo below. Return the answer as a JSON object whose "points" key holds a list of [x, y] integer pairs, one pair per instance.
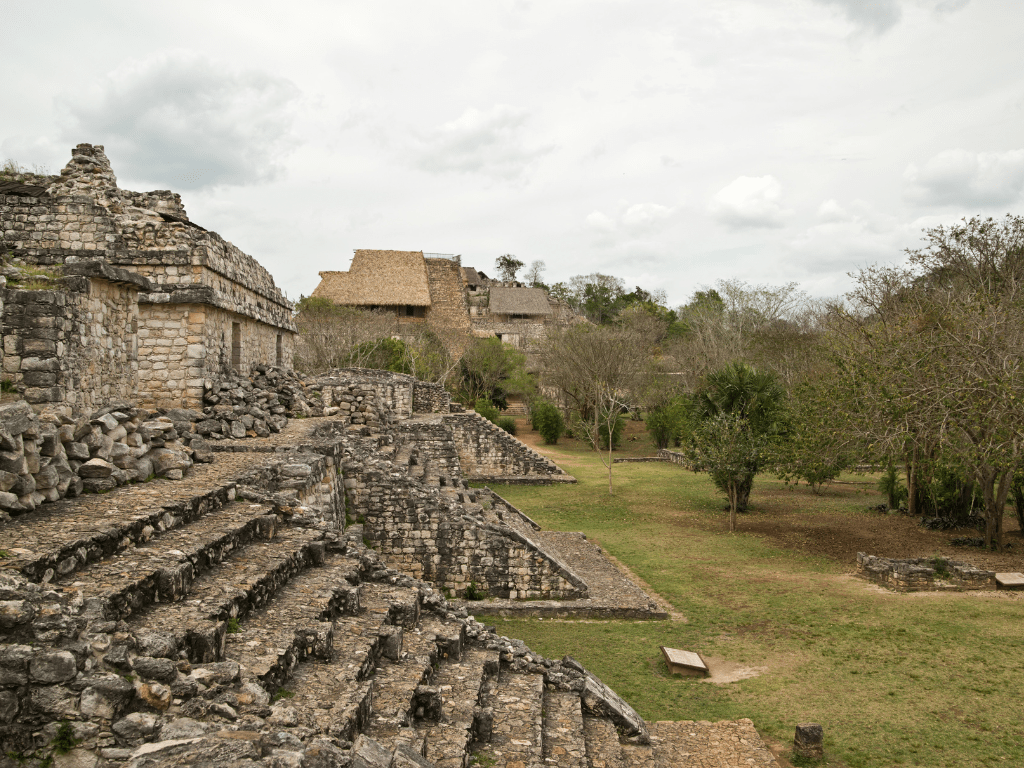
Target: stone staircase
{"points": [[232, 619]]}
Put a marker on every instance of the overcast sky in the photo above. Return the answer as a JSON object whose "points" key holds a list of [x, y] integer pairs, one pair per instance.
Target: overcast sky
{"points": [[668, 143]]}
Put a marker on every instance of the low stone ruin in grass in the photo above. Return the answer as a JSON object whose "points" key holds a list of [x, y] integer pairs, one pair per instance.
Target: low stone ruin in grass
{"points": [[923, 574]]}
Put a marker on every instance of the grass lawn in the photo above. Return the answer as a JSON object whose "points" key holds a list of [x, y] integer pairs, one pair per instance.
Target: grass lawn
{"points": [[926, 679]]}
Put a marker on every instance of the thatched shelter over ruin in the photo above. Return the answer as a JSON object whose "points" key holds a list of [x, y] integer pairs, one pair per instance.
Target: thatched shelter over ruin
{"points": [[396, 279]]}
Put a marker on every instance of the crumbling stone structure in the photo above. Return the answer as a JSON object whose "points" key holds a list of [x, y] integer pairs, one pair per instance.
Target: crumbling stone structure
{"points": [[164, 303], [923, 574], [270, 610]]}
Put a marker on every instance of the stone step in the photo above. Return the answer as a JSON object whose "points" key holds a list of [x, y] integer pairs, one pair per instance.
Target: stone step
{"points": [[244, 581], [563, 730], [163, 568], [690, 744], [297, 624], [400, 604], [516, 733], [338, 696], [601, 740], [335, 697], [459, 684], [60, 538], [394, 697]]}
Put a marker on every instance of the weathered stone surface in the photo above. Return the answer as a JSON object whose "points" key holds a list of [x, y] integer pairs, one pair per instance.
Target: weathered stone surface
{"points": [[808, 741], [53, 667], [107, 697], [164, 670], [16, 417]]}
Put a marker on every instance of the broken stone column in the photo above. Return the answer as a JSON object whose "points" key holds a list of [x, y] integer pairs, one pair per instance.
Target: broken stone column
{"points": [[808, 742]]}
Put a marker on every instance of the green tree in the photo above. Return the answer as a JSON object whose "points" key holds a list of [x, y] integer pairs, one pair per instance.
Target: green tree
{"points": [[491, 370], [736, 417], [507, 266]]}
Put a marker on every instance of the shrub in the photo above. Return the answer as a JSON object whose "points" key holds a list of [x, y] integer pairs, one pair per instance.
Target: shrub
{"points": [[893, 489], [486, 408], [507, 423], [665, 423], [548, 421]]}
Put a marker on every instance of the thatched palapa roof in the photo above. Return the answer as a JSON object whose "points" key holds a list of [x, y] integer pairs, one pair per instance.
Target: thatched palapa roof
{"points": [[378, 278], [519, 301]]}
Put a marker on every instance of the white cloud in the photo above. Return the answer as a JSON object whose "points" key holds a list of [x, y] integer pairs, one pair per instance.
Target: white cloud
{"points": [[187, 121], [873, 15], [831, 211], [749, 202], [486, 142], [645, 216], [634, 220], [601, 222], [959, 177]]}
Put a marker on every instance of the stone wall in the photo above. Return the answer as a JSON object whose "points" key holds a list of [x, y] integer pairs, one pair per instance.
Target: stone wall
{"points": [[428, 397], [490, 454], [73, 345], [448, 307], [422, 531], [923, 574], [181, 267]]}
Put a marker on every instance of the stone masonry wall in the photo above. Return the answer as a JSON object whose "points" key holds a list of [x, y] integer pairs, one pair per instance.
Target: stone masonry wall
{"points": [[923, 574], [72, 346], [84, 212], [421, 531], [448, 307], [491, 454], [182, 345], [428, 397]]}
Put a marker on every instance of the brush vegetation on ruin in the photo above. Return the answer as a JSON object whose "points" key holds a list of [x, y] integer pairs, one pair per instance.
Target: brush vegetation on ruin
{"points": [[895, 679]]}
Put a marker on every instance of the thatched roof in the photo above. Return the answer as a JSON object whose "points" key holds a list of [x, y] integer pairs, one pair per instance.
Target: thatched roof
{"points": [[378, 278], [471, 276], [519, 301]]}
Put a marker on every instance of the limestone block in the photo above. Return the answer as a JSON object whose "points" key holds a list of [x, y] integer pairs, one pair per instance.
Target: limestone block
{"points": [[95, 469], [53, 667]]}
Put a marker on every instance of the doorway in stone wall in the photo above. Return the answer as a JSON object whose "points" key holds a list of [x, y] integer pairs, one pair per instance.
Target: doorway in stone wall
{"points": [[236, 346]]}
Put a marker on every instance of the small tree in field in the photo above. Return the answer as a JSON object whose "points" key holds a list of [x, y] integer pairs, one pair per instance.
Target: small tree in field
{"points": [[728, 449], [600, 372], [735, 418]]}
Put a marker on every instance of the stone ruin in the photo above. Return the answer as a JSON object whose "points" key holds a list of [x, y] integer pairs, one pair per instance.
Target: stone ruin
{"points": [[923, 574], [296, 598]]}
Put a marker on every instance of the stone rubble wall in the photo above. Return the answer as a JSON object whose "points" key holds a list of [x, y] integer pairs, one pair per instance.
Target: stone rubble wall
{"points": [[488, 453], [922, 574], [427, 534], [428, 397], [675, 457], [50, 458]]}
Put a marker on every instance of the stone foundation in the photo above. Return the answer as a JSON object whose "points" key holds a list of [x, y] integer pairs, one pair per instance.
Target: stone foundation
{"points": [[923, 574]]}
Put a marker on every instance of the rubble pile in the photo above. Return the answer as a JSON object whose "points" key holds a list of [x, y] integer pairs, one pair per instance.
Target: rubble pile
{"points": [[49, 457]]}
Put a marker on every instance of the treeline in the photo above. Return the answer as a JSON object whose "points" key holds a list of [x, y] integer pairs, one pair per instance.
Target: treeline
{"points": [[917, 371]]}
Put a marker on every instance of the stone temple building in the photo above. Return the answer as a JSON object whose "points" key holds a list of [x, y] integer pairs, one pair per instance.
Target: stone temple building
{"points": [[433, 288], [151, 304]]}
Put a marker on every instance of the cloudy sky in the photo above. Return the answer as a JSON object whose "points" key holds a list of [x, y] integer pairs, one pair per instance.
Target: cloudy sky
{"points": [[670, 143]]}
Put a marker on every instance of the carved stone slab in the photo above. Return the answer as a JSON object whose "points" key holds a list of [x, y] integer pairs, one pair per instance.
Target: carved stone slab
{"points": [[1010, 581], [684, 662]]}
